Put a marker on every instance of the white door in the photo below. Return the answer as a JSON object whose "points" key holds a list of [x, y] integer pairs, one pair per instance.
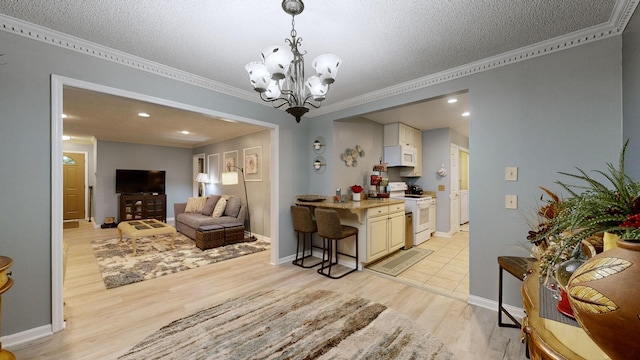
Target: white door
{"points": [[455, 190]]}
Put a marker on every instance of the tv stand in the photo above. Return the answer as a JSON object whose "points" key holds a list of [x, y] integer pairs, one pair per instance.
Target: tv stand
{"points": [[143, 206]]}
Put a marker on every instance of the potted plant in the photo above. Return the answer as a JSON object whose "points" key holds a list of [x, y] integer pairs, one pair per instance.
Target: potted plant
{"points": [[605, 288]]}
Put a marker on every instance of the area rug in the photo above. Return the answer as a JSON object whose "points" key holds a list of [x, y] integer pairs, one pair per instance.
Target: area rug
{"points": [[397, 263], [156, 258], [292, 324]]}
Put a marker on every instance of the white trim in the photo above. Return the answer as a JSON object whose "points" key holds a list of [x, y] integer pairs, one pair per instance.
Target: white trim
{"points": [[57, 211], [615, 26], [57, 84], [517, 312], [26, 336], [443, 234]]}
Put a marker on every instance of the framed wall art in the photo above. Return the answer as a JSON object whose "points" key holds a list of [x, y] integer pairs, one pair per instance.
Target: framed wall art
{"points": [[214, 168], [230, 161], [253, 163]]}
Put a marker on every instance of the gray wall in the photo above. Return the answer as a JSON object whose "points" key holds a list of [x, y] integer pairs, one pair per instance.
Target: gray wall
{"points": [[631, 94], [177, 162], [543, 115], [258, 192], [346, 135], [25, 130]]}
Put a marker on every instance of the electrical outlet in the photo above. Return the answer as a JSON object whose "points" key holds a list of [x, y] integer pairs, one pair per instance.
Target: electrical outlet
{"points": [[511, 173], [511, 201], [440, 187]]}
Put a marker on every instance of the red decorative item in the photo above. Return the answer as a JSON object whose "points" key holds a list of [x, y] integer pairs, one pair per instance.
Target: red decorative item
{"points": [[563, 305], [357, 189]]}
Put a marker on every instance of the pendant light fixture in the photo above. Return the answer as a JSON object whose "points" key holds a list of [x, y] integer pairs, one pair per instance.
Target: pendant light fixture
{"points": [[279, 77]]}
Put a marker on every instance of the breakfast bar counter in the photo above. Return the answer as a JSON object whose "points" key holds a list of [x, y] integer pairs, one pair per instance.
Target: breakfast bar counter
{"points": [[380, 223], [358, 208]]}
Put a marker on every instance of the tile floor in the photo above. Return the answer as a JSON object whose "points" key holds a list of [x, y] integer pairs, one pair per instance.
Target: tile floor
{"points": [[446, 270]]}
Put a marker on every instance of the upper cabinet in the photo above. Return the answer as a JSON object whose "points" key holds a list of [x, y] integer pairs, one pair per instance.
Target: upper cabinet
{"points": [[401, 134]]}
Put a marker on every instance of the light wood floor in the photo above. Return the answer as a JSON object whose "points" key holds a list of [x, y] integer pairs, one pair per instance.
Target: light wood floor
{"points": [[103, 324]]}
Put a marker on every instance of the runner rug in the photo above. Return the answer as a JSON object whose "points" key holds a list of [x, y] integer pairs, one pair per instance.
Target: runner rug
{"points": [[156, 258], [292, 324], [400, 261]]}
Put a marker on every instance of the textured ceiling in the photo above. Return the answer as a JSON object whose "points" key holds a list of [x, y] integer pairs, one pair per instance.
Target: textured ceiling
{"points": [[382, 43]]}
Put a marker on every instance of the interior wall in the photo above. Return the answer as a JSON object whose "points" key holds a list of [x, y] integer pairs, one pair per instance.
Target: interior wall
{"points": [[631, 94], [116, 155], [26, 120], [347, 134], [258, 192], [543, 115]]}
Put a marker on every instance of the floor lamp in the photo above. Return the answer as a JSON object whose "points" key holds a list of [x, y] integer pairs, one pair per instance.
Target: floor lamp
{"points": [[231, 178]]}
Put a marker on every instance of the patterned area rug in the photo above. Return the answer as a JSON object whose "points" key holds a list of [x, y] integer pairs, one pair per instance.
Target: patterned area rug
{"points": [[156, 258], [292, 324], [397, 263]]}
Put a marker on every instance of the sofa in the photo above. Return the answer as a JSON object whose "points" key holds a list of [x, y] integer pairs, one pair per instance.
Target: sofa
{"points": [[211, 210]]}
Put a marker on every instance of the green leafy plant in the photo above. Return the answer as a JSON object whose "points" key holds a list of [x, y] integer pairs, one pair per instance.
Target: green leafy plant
{"points": [[592, 208]]}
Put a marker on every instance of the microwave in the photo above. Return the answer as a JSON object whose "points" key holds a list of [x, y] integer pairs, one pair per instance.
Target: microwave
{"points": [[400, 155]]}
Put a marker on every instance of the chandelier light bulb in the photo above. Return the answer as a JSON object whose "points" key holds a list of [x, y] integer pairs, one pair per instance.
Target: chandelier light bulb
{"points": [[326, 66], [258, 76]]}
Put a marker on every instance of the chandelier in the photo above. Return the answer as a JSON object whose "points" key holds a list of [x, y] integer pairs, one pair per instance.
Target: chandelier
{"points": [[279, 77]]}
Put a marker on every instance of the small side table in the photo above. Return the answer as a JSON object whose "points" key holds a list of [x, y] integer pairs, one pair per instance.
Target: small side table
{"points": [[518, 267], [5, 284]]}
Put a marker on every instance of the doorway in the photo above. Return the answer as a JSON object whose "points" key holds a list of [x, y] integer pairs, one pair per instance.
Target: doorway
{"points": [[57, 188]]}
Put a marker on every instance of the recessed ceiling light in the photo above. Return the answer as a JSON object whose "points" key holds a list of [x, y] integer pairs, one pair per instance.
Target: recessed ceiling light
{"points": [[466, 113], [64, 116], [143, 114], [452, 101], [66, 137], [186, 132]]}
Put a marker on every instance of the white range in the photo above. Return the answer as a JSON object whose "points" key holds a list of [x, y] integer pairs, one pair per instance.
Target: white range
{"points": [[420, 205]]}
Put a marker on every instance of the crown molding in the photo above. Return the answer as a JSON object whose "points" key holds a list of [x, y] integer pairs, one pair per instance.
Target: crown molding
{"points": [[616, 25], [621, 15], [52, 37]]}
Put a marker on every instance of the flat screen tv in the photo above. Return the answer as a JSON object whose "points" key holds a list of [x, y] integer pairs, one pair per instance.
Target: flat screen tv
{"points": [[140, 181]]}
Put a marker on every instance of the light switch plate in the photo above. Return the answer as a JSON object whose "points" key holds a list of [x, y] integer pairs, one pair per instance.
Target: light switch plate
{"points": [[511, 173], [511, 201]]}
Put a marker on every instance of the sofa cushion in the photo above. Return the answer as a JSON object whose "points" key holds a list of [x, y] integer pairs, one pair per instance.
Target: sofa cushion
{"points": [[210, 204], [195, 204], [233, 206], [194, 221], [219, 209]]}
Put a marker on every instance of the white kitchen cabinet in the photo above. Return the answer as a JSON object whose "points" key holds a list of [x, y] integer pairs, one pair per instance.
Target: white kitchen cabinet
{"points": [[398, 134], [385, 230]]}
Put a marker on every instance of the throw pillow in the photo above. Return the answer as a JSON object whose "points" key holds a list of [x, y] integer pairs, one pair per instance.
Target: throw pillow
{"points": [[210, 204], [233, 206], [219, 209], [195, 204]]}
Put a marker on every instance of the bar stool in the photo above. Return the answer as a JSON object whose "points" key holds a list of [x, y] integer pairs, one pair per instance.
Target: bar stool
{"points": [[303, 224], [331, 230], [516, 266]]}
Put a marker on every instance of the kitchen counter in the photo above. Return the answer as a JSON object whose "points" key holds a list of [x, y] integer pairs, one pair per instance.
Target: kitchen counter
{"points": [[356, 207], [380, 223]]}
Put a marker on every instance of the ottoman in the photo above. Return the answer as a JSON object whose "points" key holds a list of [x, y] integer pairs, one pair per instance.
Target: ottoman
{"points": [[209, 236], [233, 233]]}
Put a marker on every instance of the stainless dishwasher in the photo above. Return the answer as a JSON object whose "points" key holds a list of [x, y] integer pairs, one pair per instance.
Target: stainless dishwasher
{"points": [[408, 230]]}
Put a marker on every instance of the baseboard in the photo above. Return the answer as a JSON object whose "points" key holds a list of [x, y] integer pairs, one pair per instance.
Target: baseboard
{"points": [[442, 234], [26, 336], [517, 312]]}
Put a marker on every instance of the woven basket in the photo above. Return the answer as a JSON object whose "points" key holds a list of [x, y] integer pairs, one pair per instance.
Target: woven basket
{"points": [[210, 238], [233, 233]]}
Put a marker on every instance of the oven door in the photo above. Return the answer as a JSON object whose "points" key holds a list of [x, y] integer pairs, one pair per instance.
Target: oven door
{"points": [[422, 217]]}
